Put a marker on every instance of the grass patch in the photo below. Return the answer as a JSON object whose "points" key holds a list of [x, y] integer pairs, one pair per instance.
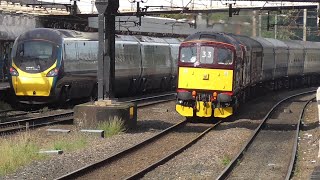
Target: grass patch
{"points": [[226, 160], [64, 143], [16, 152], [44, 110], [112, 127], [4, 106], [22, 149]]}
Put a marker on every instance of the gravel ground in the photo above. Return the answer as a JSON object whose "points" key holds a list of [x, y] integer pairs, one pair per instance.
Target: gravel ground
{"points": [[210, 155], [203, 160], [138, 160], [151, 121], [278, 137], [308, 149]]}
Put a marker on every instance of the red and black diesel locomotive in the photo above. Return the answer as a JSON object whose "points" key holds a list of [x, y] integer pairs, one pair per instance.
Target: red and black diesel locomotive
{"points": [[217, 71]]}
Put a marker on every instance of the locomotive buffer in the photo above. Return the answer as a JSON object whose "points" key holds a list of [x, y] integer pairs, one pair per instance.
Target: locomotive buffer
{"points": [[105, 109]]}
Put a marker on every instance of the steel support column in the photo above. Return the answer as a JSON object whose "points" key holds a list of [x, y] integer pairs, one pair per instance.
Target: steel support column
{"points": [[106, 58], [100, 72], [109, 62]]}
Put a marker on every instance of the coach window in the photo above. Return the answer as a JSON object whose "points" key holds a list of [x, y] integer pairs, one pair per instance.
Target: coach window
{"points": [[224, 56], [188, 54], [206, 55]]}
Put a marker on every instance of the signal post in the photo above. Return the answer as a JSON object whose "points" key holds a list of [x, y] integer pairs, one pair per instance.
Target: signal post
{"points": [[89, 115]]}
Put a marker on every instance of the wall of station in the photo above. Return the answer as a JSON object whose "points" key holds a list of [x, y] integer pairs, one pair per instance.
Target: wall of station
{"points": [[11, 25]]}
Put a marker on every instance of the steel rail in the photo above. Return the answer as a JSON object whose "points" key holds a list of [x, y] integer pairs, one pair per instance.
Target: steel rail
{"points": [[170, 156], [226, 172], [141, 102], [151, 97], [93, 166], [87, 169], [18, 114], [17, 125], [295, 146], [6, 111], [13, 126]]}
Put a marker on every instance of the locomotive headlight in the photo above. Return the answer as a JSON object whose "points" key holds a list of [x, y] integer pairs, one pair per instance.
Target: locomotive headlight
{"points": [[13, 72], [194, 93], [53, 72]]}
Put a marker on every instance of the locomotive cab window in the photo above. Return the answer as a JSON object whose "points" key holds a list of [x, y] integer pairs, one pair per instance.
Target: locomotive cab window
{"points": [[188, 54], [224, 56]]}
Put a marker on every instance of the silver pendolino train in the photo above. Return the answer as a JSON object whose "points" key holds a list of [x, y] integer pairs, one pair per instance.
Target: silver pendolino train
{"points": [[50, 64]]}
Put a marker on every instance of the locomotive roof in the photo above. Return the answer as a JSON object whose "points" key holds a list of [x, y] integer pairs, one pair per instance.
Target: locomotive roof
{"points": [[214, 36]]}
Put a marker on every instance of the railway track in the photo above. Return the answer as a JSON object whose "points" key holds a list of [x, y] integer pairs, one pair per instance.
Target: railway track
{"points": [[11, 115], [136, 161], [19, 124], [270, 152], [28, 123], [151, 100]]}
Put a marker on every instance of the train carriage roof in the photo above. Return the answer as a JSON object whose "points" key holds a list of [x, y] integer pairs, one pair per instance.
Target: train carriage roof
{"points": [[77, 34], [308, 44], [151, 39], [172, 40], [293, 45], [126, 38], [58, 35], [249, 42], [277, 43], [263, 42]]}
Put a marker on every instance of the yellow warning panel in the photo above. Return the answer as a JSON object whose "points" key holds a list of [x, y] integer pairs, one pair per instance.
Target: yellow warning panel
{"points": [[32, 84], [131, 112], [202, 78], [204, 109], [223, 112], [184, 110]]}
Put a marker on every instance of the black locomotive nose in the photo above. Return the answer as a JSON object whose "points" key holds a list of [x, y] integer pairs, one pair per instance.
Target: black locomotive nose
{"points": [[34, 93]]}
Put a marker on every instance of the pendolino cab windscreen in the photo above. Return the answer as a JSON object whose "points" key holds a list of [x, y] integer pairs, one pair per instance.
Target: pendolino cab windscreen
{"points": [[35, 56]]}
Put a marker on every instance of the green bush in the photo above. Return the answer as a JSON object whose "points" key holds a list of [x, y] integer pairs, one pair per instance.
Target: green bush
{"points": [[112, 127]]}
